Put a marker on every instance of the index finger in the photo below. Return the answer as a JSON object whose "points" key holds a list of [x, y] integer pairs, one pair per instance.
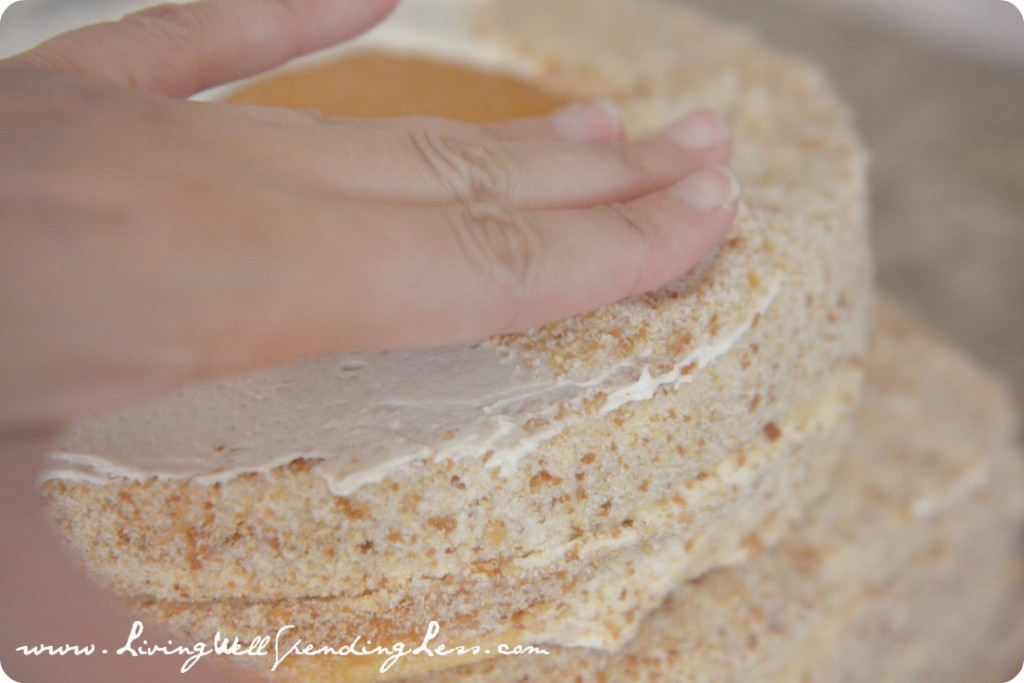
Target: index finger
{"points": [[181, 49]]}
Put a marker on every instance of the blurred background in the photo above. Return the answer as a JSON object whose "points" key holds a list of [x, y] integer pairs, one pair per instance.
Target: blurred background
{"points": [[938, 88]]}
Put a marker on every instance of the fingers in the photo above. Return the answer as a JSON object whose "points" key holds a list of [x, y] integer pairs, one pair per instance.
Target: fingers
{"points": [[399, 276], [449, 162], [178, 50], [589, 122]]}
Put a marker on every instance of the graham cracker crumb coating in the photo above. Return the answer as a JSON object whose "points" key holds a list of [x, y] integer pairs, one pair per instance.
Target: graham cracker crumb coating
{"points": [[908, 570]]}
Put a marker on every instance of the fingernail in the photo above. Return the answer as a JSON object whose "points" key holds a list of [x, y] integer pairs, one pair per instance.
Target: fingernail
{"points": [[709, 189], [700, 129], [588, 122]]}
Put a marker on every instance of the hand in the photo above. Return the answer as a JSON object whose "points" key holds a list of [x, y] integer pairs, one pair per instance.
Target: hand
{"points": [[150, 241]]}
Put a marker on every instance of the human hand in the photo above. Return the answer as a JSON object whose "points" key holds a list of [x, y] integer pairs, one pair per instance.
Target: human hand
{"points": [[150, 241]]}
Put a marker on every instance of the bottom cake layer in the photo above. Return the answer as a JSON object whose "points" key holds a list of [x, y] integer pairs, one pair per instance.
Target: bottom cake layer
{"points": [[908, 570]]}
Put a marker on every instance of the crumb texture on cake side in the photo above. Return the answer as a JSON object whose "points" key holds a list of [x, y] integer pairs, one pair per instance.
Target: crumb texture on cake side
{"points": [[922, 522]]}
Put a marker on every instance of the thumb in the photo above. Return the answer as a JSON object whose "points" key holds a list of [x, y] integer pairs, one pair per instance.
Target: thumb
{"points": [[179, 50]]}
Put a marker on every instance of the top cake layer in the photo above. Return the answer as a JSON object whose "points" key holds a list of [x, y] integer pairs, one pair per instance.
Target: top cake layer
{"points": [[798, 251]]}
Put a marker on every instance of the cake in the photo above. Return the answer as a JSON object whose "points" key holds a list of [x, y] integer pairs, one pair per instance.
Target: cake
{"points": [[907, 571], [552, 488]]}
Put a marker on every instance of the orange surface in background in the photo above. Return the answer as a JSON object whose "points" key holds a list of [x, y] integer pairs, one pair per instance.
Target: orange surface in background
{"points": [[377, 85]]}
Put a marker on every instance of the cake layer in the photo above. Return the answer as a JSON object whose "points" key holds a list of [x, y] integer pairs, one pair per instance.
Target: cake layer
{"points": [[485, 481], [594, 590], [909, 570]]}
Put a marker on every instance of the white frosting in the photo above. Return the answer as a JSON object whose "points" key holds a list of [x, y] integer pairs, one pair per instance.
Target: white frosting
{"points": [[685, 370], [958, 491], [362, 417]]}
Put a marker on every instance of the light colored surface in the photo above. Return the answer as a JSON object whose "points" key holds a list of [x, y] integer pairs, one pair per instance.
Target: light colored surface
{"points": [[992, 28]]}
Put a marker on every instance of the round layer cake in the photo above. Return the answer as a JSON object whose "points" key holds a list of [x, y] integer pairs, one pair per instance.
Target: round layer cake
{"points": [[548, 487]]}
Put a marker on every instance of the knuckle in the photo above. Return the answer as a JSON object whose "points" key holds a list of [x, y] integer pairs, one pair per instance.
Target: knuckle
{"points": [[501, 244], [472, 171]]}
